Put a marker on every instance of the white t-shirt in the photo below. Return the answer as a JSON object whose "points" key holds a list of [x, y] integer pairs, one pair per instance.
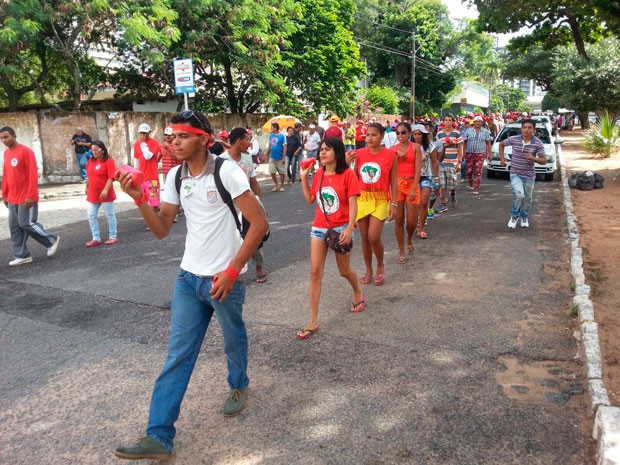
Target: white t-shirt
{"points": [[313, 141], [389, 139], [213, 239], [246, 163]]}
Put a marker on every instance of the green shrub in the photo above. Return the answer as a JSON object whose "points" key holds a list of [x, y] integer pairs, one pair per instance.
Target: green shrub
{"points": [[603, 138]]}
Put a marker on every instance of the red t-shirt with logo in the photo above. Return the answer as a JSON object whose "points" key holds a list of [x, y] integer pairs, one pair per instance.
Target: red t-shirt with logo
{"points": [[360, 134], [336, 190], [20, 176], [374, 170], [98, 173], [148, 167]]}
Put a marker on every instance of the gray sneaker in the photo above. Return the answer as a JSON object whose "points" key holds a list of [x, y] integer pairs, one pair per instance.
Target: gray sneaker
{"points": [[236, 402], [145, 448], [441, 208]]}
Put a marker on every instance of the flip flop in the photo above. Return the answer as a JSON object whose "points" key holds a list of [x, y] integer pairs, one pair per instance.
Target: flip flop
{"points": [[261, 278], [306, 333], [423, 235], [379, 279], [410, 248], [275, 189], [360, 306], [401, 260], [365, 279]]}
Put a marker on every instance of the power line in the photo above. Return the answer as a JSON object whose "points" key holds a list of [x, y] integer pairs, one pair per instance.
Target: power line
{"points": [[383, 25]]}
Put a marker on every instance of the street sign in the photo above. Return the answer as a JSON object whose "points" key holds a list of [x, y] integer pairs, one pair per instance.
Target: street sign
{"points": [[183, 76]]}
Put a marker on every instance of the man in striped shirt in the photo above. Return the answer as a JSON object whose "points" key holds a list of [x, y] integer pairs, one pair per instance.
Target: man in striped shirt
{"points": [[450, 156], [527, 149]]}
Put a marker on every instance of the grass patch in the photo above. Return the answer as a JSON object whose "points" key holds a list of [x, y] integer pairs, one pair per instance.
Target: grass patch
{"points": [[574, 310]]}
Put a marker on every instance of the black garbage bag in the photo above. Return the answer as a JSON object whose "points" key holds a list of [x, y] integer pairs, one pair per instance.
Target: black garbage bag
{"points": [[586, 181]]}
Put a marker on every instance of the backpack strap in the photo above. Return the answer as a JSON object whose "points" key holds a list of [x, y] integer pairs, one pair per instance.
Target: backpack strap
{"points": [[177, 179], [224, 194]]}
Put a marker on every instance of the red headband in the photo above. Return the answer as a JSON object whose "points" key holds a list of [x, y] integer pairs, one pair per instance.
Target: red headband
{"points": [[187, 128]]}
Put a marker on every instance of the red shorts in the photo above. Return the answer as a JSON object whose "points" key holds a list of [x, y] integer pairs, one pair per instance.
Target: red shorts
{"points": [[404, 189]]}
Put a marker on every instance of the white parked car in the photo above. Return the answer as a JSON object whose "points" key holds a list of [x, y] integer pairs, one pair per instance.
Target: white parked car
{"points": [[514, 129]]}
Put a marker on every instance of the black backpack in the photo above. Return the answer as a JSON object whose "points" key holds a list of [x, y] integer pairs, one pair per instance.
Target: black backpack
{"points": [[244, 225]]}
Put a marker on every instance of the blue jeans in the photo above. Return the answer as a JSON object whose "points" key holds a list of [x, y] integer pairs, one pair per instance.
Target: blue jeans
{"points": [[291, 166], [82, 159], [522, 195], [192, 309], [108, 208]]}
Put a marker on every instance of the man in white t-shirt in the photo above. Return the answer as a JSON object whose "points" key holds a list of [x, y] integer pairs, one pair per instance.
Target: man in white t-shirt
{"points": [[312, 142], [215, 256], [240, 141]]}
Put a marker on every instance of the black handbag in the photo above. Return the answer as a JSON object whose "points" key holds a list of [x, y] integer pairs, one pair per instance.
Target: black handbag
{"points": [[332, 237]]}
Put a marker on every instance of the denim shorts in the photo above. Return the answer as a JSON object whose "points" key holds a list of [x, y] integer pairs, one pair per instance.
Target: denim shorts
{"points": [[319, 233], [426, 182]]}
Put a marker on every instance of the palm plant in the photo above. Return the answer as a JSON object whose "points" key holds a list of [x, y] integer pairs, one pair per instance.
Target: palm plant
{"points": [[603, 138]]}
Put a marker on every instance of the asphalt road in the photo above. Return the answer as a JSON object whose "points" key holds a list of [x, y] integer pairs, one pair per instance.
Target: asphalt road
{"points": [[465, 356]]}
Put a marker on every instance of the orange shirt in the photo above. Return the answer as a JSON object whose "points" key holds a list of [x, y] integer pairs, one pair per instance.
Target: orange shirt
{"points": [[336, 190], [20, 176], [406, 167]]}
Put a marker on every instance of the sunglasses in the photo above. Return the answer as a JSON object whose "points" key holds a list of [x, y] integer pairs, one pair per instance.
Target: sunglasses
{"points": [[400, 133], [189, 114]]}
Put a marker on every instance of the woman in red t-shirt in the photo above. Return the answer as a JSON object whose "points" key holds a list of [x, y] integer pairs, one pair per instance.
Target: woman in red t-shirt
{"points": [[335, 190], [409, 157], [100, 171], [376, 168]]}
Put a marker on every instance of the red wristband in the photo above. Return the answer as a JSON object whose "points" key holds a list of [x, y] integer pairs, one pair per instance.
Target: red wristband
{"points": [[231, 273], [141, 200]]}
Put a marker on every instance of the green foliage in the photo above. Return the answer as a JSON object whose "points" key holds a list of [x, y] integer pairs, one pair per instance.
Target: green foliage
{"points": [[549, 102], [533, 63], [589, 85], [390, 26], [385, 98], [506, 98], [321, 62], [603, 138]]}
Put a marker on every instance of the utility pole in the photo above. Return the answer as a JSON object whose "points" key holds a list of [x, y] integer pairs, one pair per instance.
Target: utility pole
{"points": [[413, 76]]}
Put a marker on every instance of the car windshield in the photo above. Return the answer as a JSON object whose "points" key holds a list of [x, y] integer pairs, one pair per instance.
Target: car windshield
{"points": [[544, 119], [541, 133]]}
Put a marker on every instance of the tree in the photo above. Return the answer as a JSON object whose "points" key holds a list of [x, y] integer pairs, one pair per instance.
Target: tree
{"points": [[389, 43], [508, 98], [385, 98], [321, 64], [589, 85], [533, 63], [553, 22]]}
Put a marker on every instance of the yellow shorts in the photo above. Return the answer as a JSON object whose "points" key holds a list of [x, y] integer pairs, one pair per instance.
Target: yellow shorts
{"points": [[377, 208]]}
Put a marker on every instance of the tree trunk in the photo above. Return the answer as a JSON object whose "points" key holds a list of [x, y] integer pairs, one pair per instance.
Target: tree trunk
{"points": [[583, 119], [230, 89], [576, 31]]}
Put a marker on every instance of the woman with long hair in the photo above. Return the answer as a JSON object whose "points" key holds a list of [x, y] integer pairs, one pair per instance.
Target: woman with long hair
{"points": [[100, 171], [409, 158], [335, 190], [429, 173], [376, 169]]}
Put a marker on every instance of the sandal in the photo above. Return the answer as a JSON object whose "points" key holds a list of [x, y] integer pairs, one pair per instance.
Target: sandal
{"points": [[410, 248], [93, 243], [360, 306], [275, 189], [306, 333], [111, 241], [422, 235], [365, 279], [379, 279], [262, 278], [401, 260]]}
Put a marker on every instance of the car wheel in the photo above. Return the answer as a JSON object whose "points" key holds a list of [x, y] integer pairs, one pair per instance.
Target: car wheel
{"points": [[549, 177], [491, 174]]}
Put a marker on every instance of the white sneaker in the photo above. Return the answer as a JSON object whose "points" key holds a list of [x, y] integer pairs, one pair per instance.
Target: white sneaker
{"points": [[525, 223], [52, 250], [512, 223], [20, 261]]}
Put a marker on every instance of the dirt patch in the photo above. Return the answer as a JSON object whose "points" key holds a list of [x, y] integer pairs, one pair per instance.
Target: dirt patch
{"points": [[598, 214]]}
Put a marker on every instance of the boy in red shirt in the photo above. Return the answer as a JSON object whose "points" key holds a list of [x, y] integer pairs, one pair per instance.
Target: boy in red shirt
{"points": [[146, 158], [20, 193]]}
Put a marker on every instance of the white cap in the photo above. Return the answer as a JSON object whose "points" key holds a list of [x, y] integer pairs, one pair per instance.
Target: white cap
{"points": [[167, 131], [419, 127], [312, 126], [144, 128], [478, 118]]}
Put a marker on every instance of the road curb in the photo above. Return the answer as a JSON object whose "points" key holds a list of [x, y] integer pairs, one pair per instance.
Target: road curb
{"points": [[606, 430]]}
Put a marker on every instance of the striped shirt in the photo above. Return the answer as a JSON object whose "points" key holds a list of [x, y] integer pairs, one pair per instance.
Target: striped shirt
{"points": [[476, 140], [450, 145], [519, 165]]}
